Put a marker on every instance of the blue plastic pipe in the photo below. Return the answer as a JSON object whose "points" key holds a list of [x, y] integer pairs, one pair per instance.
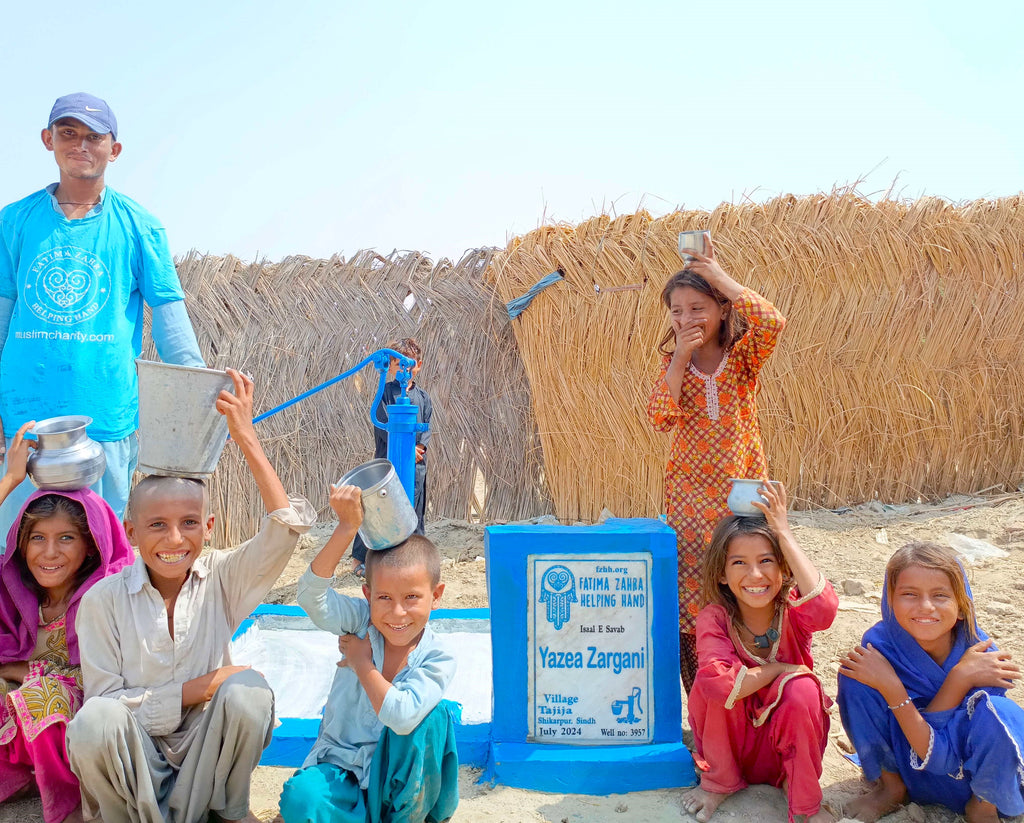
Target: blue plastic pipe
{"points": [[401, 424]]}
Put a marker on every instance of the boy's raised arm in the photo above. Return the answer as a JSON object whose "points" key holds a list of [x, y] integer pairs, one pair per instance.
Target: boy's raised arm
{"points": [[326, 608], [347, 503], [237, 408], [248, 573]]}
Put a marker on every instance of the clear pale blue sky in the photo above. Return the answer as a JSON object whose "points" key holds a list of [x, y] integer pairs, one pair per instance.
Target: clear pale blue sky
{"points": [[265, 129]]}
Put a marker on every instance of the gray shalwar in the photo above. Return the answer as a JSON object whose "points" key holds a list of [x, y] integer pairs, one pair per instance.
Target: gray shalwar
{"points": [[141, 757]]}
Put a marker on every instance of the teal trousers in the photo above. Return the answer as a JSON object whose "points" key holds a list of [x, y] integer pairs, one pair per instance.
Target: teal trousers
{"points": [[413, 778]]}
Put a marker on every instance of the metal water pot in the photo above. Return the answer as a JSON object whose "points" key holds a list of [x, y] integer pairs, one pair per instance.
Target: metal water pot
{"points": [[66, 457], [388, 516], [744, 493]]}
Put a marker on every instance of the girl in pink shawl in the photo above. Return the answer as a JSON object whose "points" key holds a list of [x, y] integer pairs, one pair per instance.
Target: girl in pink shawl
{"points": [[61, 543]]}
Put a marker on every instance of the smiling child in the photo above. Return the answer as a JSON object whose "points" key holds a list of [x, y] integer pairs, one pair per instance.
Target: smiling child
{"points": [[62, 543], [386, 747], [923, 698], [171, 730], [757, 709], [720, 335]]}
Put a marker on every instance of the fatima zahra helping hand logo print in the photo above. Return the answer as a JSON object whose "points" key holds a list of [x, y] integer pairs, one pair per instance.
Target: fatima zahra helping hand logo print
{"points": [[558, 590], [66, 286]]}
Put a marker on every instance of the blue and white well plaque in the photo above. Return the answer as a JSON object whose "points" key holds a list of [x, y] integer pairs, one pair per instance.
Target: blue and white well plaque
{"points": [[589, 642], [585, 657]]}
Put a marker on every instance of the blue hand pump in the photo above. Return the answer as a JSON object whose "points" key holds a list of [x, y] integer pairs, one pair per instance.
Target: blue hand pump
{"points": [[401, 424]]}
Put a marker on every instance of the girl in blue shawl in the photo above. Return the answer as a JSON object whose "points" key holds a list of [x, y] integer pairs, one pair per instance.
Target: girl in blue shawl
{"points": [[923, 698]]}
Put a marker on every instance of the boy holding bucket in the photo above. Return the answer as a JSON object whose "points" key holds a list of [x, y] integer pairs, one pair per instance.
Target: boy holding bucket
{"points": [[77, 261], [386, 746], [170, 729]]}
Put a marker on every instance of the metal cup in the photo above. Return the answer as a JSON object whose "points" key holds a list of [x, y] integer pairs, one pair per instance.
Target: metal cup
{"points": [[693, 241]]}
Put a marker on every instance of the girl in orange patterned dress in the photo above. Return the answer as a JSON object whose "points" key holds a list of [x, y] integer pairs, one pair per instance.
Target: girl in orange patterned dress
{"points": [[720, 337]]}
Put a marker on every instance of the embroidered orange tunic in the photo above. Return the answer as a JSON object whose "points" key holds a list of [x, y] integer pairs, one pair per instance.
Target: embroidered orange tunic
{"points": [[715, 436]]}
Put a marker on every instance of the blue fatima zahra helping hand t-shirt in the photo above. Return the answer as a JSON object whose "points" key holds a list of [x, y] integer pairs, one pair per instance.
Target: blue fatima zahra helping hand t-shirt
{"points": [[78, 288]]}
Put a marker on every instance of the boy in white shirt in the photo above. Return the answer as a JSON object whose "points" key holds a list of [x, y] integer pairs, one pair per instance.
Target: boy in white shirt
{"points": [[386, 747], [170, 730]]}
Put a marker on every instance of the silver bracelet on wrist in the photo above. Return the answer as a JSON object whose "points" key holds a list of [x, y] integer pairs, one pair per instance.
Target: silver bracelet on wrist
{"points": [[899, 705]]}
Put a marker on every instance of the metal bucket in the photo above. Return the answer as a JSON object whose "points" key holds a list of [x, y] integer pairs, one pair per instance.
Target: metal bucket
{"points": [[388, 516], [181, 434]]}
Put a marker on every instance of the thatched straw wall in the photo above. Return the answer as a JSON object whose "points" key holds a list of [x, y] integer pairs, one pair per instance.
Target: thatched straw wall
{"points": [[899, 376], [297, 323]]}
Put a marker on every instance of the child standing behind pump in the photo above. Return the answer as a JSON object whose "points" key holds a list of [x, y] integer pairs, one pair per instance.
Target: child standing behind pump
{"points": [[386, 748], [418, 397], [171, 730], [757, 709]]}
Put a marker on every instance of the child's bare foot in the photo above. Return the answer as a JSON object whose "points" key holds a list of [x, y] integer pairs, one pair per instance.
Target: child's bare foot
{"points": [[888, 792], [702, 803], [980, 811]]}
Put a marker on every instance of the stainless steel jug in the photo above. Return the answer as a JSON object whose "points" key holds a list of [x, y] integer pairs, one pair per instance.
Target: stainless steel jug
{"points": [[66, 457]]}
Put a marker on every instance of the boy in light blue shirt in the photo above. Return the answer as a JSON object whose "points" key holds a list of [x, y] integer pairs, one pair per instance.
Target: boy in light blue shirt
{"points": [[386, 746]]}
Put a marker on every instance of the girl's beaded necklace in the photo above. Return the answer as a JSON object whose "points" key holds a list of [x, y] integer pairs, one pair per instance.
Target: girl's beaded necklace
{"points": [[762, 641]]}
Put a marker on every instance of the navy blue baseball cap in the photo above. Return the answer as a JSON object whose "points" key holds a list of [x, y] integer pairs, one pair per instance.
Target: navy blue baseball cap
{"points": [[92, 111]]}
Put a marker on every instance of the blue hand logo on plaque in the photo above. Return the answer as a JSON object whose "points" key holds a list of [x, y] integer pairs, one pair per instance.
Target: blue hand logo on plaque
{"points": [[558, 590], [631, 704]]}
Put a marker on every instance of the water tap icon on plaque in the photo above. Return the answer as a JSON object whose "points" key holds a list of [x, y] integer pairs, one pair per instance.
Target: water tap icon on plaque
{"points": [[631, 705]]}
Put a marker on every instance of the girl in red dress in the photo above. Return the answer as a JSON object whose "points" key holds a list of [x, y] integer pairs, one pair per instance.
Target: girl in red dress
{"points": [[757, 709], [720, 337]]}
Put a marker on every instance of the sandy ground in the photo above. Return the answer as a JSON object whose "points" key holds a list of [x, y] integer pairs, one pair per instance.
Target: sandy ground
{"points": [[851, 548]]}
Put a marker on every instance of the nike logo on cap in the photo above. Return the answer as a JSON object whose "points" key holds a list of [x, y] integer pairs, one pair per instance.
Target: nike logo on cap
{"points": [[89, 109]]}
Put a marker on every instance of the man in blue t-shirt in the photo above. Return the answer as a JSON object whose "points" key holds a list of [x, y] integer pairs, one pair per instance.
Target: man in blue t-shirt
{"points": [[77, 262]]}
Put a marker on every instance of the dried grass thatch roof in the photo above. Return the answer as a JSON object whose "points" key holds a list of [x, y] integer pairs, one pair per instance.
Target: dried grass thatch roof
{"points": [[899, 374]]}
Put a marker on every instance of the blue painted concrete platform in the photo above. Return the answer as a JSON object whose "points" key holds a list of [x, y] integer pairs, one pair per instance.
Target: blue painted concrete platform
{"points": [[518, 759]]}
